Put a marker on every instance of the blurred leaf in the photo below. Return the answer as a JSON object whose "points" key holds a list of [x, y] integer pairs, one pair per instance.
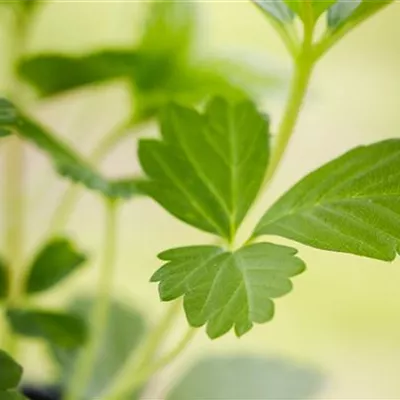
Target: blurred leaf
{"points": [[350, 205], [4, 279], [276, 9], [71, 165], [55, 262], [199, 171], [227, 289], [341, 11], [11, 395], [10, 372], [125, 329], [318, 7], [53, 74], [8, 117], [245, 377], [62, 329]]}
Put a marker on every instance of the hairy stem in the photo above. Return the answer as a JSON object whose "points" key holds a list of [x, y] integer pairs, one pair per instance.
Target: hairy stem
{"points": [[99, 315], [125, 382]]}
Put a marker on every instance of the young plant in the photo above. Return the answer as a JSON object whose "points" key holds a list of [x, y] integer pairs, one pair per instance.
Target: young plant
{"points": [[207, 169]]}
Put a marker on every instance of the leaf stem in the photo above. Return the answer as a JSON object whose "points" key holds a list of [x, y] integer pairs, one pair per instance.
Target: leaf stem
{"points": [[99, 314], [132, 374]]}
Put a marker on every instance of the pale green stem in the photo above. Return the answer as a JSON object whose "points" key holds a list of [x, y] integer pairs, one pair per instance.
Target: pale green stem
{"points": [[123, 383], [99, 314]]}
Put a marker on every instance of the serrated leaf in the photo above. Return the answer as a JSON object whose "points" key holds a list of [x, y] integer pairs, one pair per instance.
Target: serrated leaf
{"points": [[10, 372], [56, 261], [124, 323], [246, 377], [55, 73], [276, 9], [71, 165], [4, 279], [200, 170], [341, 11], [62, 329], [350, 205], [227, 289]]}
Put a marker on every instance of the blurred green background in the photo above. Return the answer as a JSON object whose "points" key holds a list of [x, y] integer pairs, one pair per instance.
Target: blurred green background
{"points": [[343, 316]]}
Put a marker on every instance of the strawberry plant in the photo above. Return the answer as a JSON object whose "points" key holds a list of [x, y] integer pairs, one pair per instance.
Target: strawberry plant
{"points": [[214, 155]]}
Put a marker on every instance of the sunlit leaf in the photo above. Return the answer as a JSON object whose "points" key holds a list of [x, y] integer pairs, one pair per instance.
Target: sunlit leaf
{"points": [[350, 205], [224, 289], [10, 372], [56, 261], [62, 329], [200, 170], [318, 7], [246, 377], [123, 333]]}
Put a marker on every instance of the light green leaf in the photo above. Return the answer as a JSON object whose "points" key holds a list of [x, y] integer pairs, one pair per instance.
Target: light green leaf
{"points": [[55, 262], [318, 7], [224, 289], [62, 329], [71, 165], [10, 372], [350, 205], [125, 324], [245, 377], [200, 170], [276, 9], [4, 279], [341, 11]]}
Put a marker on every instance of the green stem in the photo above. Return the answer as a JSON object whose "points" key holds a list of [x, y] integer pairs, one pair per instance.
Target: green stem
{"points": [[99, 314], [124, 382], [303, 68], [72, 194]]}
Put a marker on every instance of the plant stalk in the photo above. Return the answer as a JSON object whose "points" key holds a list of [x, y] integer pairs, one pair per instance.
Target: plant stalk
{"points": [[99, 315], [125, 383]]}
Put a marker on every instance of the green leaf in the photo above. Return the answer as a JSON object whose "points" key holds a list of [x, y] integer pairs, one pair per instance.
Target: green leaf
{"points": [[8, 117], [245, 377], [10, 372], [200, 170], [318, 7], [227, 289], [55, 262], [350, 205], [62, 329], [276, 9], [11, 395], [341, 11], [53, 74], [341, 15], [4, 279], [124, 331], [71, 165]]}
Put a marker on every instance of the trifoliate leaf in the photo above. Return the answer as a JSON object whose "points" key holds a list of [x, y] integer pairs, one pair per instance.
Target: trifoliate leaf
{"points": [[56, 261], [200, 170], [62, 329], [246, 377], [4, 279], [10, 372], [350, 205], [227, 289]]}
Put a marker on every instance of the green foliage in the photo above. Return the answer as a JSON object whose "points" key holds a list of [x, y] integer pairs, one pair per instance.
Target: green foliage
{"points": [[318, 7], [11, 395], [10, 372], [4, 279], [66, 161], [8, 116], [56, 261], [341, 11], [276, 9], [350, 205], [122, 335], [62, 329], [243, 377], [200, 170], [227, 289]]}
